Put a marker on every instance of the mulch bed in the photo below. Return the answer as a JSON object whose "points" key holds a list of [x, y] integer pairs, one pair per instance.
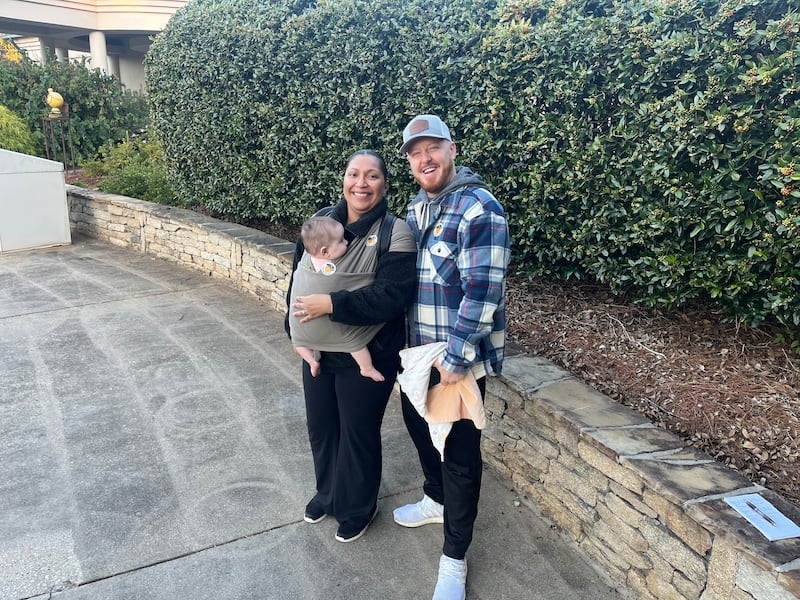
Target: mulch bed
{"points": [[725, 388]]}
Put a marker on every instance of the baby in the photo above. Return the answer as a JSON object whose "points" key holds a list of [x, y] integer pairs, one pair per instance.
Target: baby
{"points": [[323, 239]]}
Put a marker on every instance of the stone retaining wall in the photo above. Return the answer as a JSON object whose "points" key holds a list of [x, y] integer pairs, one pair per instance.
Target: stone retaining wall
{"points": [[254, 261], [640, 503]]}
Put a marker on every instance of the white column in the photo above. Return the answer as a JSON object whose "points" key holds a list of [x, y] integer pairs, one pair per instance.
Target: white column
{"points": [[62, 54], [44, 54], [113, 65], [97, 48]]}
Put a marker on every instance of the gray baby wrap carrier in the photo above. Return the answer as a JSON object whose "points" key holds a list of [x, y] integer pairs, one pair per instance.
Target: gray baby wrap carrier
{"points": [[322, 333]]}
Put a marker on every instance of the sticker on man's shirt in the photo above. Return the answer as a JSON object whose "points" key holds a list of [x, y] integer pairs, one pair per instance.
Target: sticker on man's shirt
{"points": [[441, 249], [372, 240], [328, 268], [437, 231]]}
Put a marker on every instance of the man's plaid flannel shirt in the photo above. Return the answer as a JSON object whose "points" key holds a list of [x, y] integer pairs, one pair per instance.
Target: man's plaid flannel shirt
{"points": [[461, 271]]}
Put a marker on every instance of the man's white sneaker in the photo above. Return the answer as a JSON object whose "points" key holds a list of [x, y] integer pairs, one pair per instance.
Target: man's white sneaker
{"points": [[452, 581], [421, 513]]}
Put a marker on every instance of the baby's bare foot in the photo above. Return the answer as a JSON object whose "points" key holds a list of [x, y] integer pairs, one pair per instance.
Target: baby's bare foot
{"points": [[373, 373]]}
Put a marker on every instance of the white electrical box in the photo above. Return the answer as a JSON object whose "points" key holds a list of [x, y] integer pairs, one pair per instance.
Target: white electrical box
{"points": [[33, 202]]}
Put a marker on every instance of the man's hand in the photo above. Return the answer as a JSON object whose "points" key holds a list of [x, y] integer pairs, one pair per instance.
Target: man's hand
{"points": [[447, 377]]}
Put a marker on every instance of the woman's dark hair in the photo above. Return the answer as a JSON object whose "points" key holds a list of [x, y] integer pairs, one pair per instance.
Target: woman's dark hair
{"points": [[373, 154]]}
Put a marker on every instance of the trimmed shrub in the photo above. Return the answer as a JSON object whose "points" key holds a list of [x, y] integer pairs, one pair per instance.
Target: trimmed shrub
{"points": [[14, 133], [260, 103], [135, 168], [650, 145]]}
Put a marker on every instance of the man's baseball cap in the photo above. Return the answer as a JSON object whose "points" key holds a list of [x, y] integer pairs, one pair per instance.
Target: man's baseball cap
{"points": [[424, 126]]}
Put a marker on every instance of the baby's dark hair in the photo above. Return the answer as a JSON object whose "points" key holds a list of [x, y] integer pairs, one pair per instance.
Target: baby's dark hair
{"points": [[317, 232]]}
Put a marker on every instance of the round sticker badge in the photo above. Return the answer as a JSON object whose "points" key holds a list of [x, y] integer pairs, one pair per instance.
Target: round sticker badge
{"points": [[372, 240], [328, 269], [437, 231]]}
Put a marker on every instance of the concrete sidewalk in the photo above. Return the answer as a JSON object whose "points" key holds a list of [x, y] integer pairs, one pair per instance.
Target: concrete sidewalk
{"points": [[153, 445]]}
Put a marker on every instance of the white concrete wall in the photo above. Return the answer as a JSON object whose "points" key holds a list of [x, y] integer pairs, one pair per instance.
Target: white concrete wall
{"points": [[131, 73]]}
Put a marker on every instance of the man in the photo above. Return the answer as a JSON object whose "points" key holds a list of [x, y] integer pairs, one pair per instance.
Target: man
{"points": [[463, 240]]}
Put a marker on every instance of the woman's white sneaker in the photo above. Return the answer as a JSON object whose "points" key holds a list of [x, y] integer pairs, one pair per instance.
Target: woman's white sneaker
{"points": [[424, 512]]}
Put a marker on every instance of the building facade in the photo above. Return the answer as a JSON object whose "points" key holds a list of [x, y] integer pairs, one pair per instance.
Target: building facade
{"points": [[113, 34]]}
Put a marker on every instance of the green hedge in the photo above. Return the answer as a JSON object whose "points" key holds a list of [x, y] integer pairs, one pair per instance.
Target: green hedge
{"points": [[259, 103], [100, 108], [652, 146], [135, 168], [649, 145]]}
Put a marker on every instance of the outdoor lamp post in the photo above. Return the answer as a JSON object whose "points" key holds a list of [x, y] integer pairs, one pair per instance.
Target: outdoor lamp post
{"points": [[56, 128], [55, 101]]}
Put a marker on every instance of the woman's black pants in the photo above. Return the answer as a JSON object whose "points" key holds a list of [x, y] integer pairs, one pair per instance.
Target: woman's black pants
{"points": [[344, 412]]}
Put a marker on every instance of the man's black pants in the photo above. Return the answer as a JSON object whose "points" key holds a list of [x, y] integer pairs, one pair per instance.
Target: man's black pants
{"points": [[456, 482]]}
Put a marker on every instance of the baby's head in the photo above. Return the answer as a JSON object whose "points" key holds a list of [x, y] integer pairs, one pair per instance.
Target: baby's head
{"points": [[323, 237]]}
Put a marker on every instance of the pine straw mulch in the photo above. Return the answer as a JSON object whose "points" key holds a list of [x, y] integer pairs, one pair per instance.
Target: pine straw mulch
{"points": [[79, 178], [729, 390]]}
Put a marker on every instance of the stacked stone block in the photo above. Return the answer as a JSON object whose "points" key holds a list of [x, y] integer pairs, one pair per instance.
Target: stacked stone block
{"points": [[642, 504]]}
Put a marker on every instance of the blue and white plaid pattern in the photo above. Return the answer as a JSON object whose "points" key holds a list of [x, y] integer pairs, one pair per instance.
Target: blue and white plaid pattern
{"points": [[461, 271]]}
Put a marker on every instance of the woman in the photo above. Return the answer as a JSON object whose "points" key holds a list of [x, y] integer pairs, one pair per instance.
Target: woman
{"points": [[344, 410]]}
